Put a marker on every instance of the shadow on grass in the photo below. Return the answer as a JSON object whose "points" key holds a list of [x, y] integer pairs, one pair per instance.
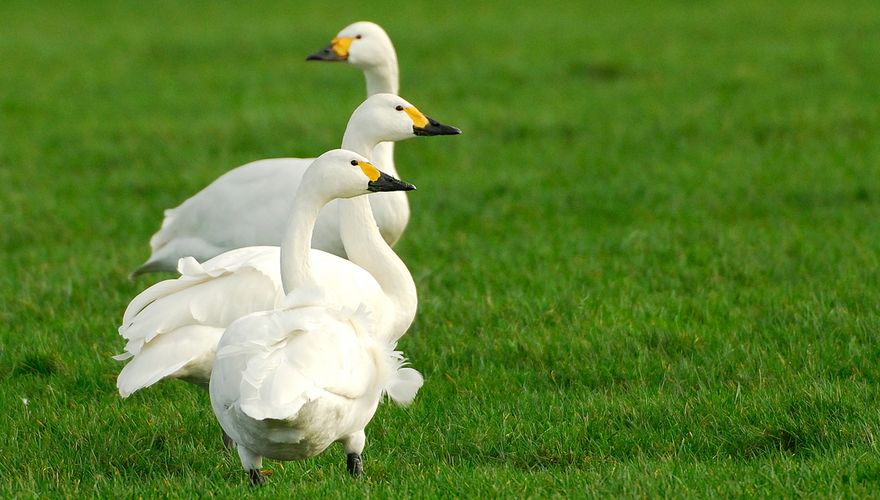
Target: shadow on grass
{"points": [[41, 364]]}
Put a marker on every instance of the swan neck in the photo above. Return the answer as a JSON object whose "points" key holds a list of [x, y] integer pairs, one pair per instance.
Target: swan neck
{"points": [[365, 247], [360, 140], [383, 157], [383, 78], [296, 268]]}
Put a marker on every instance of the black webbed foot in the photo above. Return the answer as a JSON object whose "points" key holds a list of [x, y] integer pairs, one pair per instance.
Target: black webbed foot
{"points": [[256, 477], [355, 464]]}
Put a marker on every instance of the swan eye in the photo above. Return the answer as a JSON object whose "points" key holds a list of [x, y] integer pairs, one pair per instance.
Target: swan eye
{"points": [[354, 163], [358, 37], [399, 108]]}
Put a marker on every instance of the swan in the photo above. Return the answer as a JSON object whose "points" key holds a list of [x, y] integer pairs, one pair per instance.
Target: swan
{"points": [[368, 47], [248, 205], [172, 328], [289, 382]]}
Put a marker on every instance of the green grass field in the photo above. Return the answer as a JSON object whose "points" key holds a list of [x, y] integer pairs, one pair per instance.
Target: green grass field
{"points": [[649, 267]]}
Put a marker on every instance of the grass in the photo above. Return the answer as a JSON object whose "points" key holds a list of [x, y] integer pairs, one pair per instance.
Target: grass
{"points": [[649, 267]]}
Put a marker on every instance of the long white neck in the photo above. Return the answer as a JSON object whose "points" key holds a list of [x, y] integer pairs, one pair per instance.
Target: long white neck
{"points": [[296, 265], [365, 247], [383, 158], [383, 78], [361, 140]]}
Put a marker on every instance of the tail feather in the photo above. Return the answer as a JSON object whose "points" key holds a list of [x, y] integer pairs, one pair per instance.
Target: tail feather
{"points": [[165, 232], [185, 352], [404, 385], [151, 266]]}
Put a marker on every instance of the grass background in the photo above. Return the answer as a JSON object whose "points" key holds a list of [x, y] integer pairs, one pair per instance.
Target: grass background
{"points": [[648, 267]]}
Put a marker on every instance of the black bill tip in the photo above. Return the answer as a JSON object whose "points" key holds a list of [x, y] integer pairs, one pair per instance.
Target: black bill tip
{"points": [[436, 128], [386, 182], [325, 54]]}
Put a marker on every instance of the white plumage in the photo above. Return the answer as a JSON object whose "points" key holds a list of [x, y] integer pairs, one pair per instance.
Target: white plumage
{"points": [[172, 328], [290, 382], [248, 205]]}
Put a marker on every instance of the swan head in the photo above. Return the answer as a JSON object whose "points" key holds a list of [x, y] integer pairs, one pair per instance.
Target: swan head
{"points": [[344, 174], [362, 44], [387, 117]]}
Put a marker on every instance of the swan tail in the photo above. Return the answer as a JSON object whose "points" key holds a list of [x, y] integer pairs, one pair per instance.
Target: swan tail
{"points": [[404, 385], [169, 258], [399, 382], [158, 262], [166, 231], [167, 247], [151, 266]]}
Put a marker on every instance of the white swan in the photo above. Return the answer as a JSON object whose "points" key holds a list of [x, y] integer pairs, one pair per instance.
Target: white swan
{"points": [[249, 205], [173, 327], [290, 382]]}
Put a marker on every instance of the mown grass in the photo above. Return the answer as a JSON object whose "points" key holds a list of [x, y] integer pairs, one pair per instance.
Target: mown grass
{"points": [[649, 266]]}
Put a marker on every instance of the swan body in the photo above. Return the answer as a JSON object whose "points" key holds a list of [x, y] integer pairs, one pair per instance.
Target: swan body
{"points": [[289, 382], [249, 205], [172, 328]]}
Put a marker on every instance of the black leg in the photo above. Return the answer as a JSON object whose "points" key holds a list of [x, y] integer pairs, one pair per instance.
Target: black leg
{"points": [[355, 464], [228, 443], [256, 477]]}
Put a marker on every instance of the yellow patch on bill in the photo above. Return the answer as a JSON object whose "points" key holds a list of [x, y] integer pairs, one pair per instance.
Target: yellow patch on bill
{"points": [[419, 120], [341, 44], [369, 170]]}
